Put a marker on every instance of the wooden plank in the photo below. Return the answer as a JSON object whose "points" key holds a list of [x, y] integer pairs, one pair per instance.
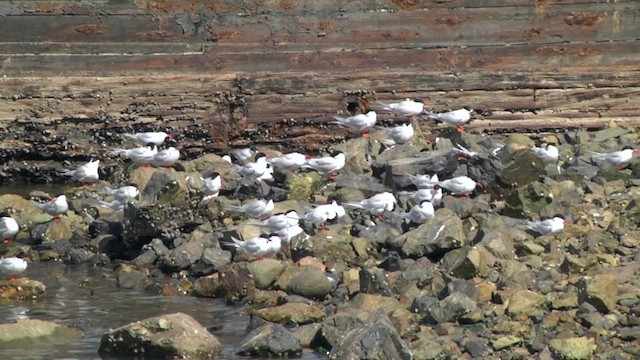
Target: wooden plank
{"points": [[330, 30], [566, 57]]}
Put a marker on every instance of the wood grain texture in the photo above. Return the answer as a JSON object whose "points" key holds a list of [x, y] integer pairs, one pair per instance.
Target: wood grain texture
{"points": [[75, 74]]}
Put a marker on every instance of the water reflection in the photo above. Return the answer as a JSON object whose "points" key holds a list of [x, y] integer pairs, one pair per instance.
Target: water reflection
{"points": [[98, 305]]}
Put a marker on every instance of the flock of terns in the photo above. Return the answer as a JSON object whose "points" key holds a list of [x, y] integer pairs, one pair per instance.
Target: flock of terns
{"points": [[254, 166]]}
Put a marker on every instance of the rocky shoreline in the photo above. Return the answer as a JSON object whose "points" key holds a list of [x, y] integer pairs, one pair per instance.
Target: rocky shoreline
{"points": [[466, 284]]}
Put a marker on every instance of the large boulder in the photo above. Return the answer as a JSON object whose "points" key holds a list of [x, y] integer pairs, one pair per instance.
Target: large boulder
{"points": [[375, 339], [163, 337], [312, 283], [435, 237]]}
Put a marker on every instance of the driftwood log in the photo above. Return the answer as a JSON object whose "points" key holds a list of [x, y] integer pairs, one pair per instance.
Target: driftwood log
{"points": [[76, 74]]}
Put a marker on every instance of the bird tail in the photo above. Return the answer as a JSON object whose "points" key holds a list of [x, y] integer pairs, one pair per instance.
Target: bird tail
{"points": [[597, 156], [66, 172], [235, 243], [381, 106], [108, 191], [234, 208], [117, 151], [39, 205], [389, 143], [352, 204], [130, 136], [205, 199]]}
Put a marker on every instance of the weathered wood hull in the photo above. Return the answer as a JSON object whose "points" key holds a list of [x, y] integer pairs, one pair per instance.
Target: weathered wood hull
{"points": [[221, 73]]}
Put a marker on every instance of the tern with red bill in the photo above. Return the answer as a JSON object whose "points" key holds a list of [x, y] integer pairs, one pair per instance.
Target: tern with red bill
{"points": [[619, 158], [254, 170], [166, 157], [55, 207], [455, 118]]}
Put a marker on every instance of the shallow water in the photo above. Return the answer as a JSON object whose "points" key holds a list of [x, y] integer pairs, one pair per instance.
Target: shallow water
{"points": [[96, 308]]}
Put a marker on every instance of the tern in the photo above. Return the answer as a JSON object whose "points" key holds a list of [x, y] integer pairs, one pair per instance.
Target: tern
{"points": [[166, 157], [619, 158], [545, 226], [12, 266], [9, 228], [55, 207], [256, 209], [455, 118], [87, 173], [401, 134], [291, 161], [377, 204], [419, 214], [406, 107], [360, 123], [548, 154], [144, 138], [258, 246], [460, 185]]}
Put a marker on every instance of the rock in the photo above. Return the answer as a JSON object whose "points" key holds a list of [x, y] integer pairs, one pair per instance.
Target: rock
{"points": [[505, 342], [205, 161], [237, 281], [291, 313], [374, 281], [614, 187], [130, 277], [332, 247], [208, 286], [600, 291], [525, 302], [29, 331], [311, 283], [265, 272], [302, 185], [163, 337], [270, 340], [451, 308], [333, 329], [21, 289], [608, 133], [74, 256], [469, 263], [212, 260], [52, 231], [306, 333], [578, 348], [442, 162], [375, 339], [466, 287], [435, 237], [370, 303], [477, 348], [528, 200], [183, 256]]}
